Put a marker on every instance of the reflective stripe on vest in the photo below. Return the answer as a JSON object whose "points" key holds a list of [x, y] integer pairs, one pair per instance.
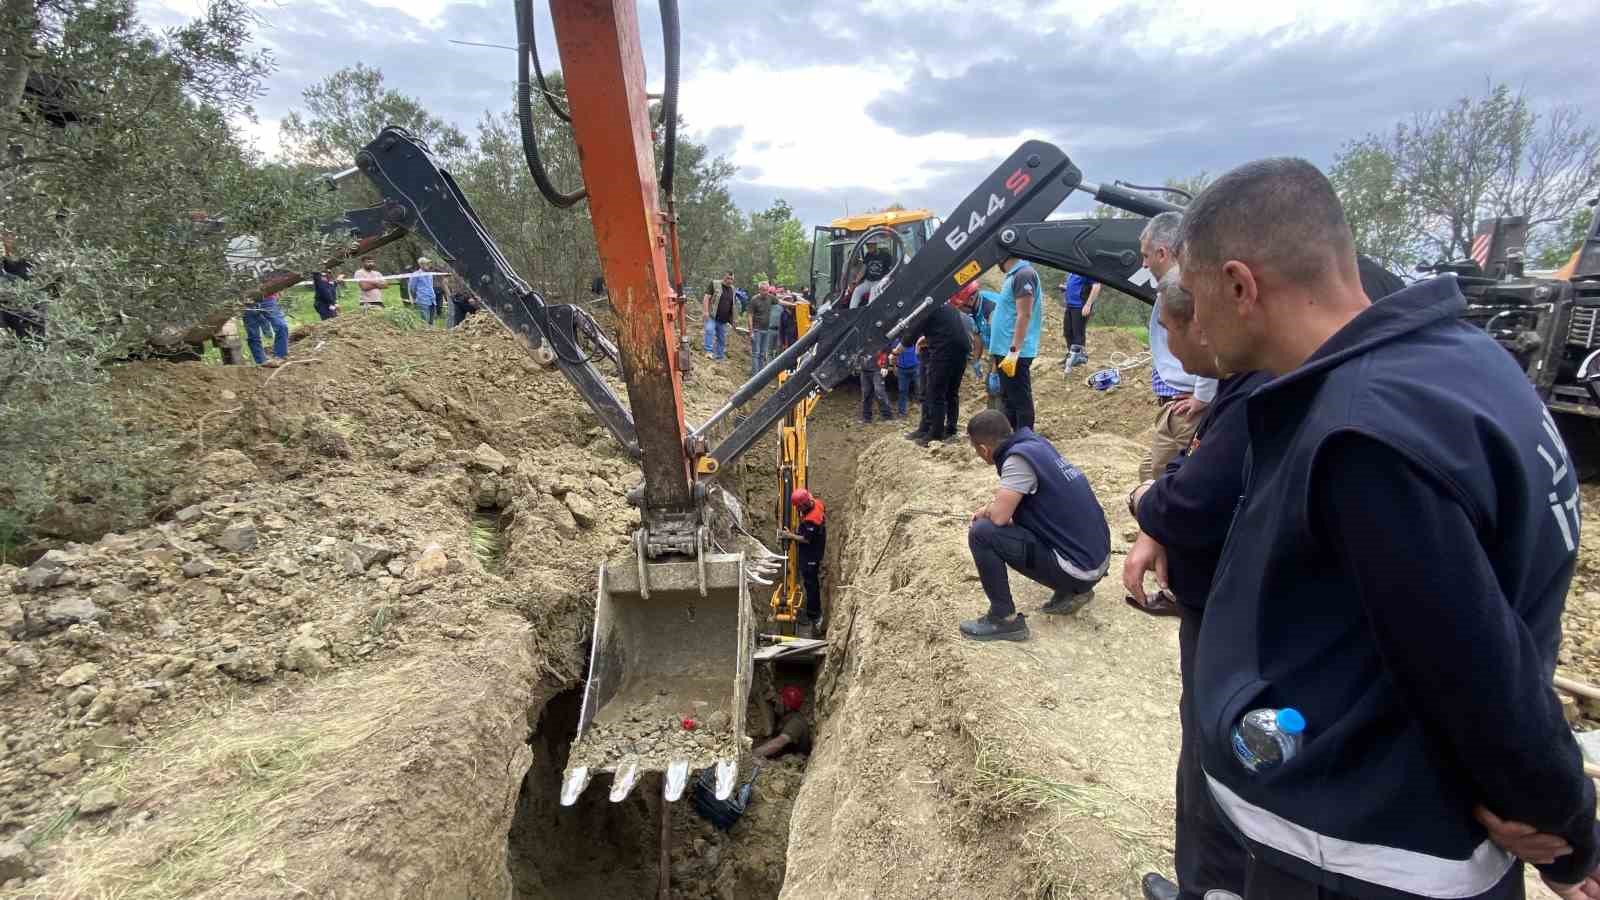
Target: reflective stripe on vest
{"points": [[1391, 867]]}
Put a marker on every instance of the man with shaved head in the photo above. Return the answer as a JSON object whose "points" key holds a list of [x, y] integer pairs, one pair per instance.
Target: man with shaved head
{"points": [[1396, 571]]}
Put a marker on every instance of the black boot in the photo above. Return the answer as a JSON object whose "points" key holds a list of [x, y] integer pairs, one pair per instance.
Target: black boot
{"points": [[1065, 603], [988, 628], [1158, 888]]}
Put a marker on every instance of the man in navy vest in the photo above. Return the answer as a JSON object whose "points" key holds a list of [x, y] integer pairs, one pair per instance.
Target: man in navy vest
{"points": [[1044, 521], [1396, 570]]}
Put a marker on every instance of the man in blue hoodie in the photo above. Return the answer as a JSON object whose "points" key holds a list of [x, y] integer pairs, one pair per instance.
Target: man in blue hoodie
{"points": [[1044, 521], [1396, 569]]}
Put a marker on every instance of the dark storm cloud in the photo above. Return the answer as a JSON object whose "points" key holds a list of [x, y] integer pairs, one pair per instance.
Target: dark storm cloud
{"points": [[1121, 109]]}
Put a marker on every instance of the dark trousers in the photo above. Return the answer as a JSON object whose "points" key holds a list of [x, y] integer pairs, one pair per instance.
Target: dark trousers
{"points": [[811, 578], [872, 386], [459, 311], [941, 413], [1016, 393], [326, 310], [1265, 882], [994, 548], [1075, 327], [1208, 857]]}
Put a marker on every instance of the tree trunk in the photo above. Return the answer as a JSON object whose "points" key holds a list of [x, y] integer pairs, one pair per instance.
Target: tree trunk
{"points": [[16, 58]]}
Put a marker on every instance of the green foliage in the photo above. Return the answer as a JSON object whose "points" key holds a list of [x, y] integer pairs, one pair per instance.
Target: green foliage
{"points": [[1417, 193], [126, 215], [1562, 240], [348, 108]]}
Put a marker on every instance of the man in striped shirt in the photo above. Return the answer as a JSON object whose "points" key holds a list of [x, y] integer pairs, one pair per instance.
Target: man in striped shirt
{"points": [[1183, 397]]}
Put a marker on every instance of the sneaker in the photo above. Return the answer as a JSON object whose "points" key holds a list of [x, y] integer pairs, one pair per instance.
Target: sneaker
{"points": [[1063, 603], [1156, 887], [916, 435], [988, 628], [273, 363]]}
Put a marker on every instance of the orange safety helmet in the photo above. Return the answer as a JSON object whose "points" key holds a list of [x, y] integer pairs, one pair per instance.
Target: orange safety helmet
{"points": [[800, 497]]}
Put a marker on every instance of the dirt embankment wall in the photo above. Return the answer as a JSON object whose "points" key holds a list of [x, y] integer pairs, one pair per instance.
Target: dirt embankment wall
{"points": [[947, 768]]}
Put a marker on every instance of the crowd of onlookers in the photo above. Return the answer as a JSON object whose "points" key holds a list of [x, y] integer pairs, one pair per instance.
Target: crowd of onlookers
{"points": [[428, 290]]}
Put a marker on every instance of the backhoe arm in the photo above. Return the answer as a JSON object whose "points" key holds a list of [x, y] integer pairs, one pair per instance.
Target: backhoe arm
{"points": [[422, 198], [1025, 189]]}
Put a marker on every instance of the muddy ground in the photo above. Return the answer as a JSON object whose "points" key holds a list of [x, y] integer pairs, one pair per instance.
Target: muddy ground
{"points": [[344, 659]]}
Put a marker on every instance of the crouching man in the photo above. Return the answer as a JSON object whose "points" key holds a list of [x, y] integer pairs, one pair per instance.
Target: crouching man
{"points": [[1044, 521]]}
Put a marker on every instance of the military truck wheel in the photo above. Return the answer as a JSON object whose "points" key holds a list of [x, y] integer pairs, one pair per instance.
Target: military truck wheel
{"points": [[1582, 437]]}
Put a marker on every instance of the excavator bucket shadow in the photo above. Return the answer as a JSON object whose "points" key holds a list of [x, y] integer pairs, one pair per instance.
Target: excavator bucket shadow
{"points": [[669, 674]]}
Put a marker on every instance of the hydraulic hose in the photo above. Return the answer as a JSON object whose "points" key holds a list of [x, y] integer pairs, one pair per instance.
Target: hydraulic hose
{"points": [[669, 99], [530, 139]]}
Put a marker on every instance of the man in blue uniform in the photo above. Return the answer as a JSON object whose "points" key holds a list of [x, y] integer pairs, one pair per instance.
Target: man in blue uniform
{"points": [[1396, 569], [1044, 521]]}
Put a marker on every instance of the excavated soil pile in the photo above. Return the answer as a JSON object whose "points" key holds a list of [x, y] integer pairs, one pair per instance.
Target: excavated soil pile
{"points": [[372, 565]]}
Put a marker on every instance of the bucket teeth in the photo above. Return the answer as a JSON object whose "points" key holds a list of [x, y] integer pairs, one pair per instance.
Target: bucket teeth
{"points": [[727, 771], [677, 777], [572, 787], [623, 782]]}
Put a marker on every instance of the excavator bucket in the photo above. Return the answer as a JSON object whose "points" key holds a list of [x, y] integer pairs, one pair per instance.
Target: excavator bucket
{"points": [[669, 673]]}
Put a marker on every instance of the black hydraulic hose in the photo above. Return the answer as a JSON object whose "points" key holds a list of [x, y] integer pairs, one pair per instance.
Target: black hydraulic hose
{"points": [[538, 73], [669, 98], [530, 140]]}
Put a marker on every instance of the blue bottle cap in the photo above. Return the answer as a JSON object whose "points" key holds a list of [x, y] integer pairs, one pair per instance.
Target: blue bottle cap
{"points": [[1290, 721]]}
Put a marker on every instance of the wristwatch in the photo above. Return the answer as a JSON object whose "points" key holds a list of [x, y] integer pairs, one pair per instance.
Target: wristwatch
{"points": [[1133, 506]]}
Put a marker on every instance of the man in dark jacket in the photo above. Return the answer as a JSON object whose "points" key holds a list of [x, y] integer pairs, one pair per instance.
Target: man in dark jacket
{"points": [[1044, 521], [1396, 569], [945, 348], [1183, 519], [324, 295]]}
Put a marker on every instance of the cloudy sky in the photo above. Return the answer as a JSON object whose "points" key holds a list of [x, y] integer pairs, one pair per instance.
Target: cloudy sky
{"points": [[854, 105]]}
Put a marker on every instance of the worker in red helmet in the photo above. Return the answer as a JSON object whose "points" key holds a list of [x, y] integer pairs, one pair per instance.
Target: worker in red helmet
{"points": [[812, 536], [794, 732]]}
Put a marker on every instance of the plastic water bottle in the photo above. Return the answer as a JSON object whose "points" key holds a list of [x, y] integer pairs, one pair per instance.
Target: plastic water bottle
{"points": [[1267, 738]]}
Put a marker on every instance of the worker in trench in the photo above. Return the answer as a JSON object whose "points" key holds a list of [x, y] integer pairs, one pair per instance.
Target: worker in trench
{"points": [[1394, 574], [794, 732], [1044, 521], [812, 536]]}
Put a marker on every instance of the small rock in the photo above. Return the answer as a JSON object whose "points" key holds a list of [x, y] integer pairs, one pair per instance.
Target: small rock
{"points": [[397, 567], [305, 654], [9, 677], [238, 537], [129, 704], [48, 571], [83, 696], [189, 514], [177, 667], [582, 510], [15, 861], [248, 665], [65, 764], [13, 622], [1130, 535], [111, 594], [286, 567], [489, 459], [22, 656], [101, 709], [414, 460], [104, 742], [1569, 709], [198, 566], [98, 800], [71, 610], [351, 560], [83, 673], [227, 396], [370, 554], [433, 562]]}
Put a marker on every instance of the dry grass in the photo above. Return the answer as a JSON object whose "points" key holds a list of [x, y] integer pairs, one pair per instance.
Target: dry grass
{"points": [[219, 786]]}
